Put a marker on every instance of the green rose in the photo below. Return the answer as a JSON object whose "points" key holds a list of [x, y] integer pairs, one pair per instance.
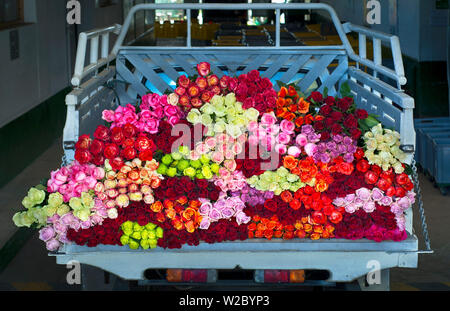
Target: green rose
{"points": [[87, 200], [292, 178], [190, 172], [153, 243], [251, 114], [176, 156], [124, 239], [50, 210], [206, 119], [133, 244], [184, 150], [166, 159], [195, 163], [136, 235], [171, 171], [82, 214], [63, 209], [27, 202], [150, 226], [215, 168], [217, 101], [194, 116], [162, 169], [230, 99], [145, 244], [159, 232], [75, 203], [207, 109], [55, 199], [36, 196], [137, 227], [182, 165]]}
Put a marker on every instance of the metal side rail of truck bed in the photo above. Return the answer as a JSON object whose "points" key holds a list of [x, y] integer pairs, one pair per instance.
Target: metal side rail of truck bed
{"points": [[140, 69]]}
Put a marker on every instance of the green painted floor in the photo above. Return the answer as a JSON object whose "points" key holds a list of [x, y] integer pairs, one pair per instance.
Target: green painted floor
{"points": [[32, 269]]}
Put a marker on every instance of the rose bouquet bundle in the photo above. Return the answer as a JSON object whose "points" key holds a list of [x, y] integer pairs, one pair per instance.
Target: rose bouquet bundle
{"points": [[225, 159]]}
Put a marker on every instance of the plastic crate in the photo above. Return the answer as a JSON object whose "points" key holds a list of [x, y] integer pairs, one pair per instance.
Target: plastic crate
{"points": [[423, 127], [430, 161], [441, 151]]}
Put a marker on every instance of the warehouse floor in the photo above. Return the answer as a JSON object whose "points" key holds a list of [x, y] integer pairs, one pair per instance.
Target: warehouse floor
{"points": [[32, 269]]}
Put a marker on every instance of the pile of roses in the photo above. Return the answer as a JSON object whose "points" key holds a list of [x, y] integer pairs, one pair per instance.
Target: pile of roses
{"points": [[225, 159]]}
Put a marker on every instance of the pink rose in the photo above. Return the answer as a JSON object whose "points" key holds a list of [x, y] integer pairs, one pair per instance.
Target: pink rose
{"points": [[396, 209], [252, 126], [280, 148], [310, 149], [349, 198], [253, 140], [377, 194], [404, 203], [46, 233], [211, 142], [214, 214], [170, 110], [151, 126], [358, 202], [351, 208], [202, 148], [301, 140], [230, 164], [108, 115], [339, 202], [369, 207], [363, 193], [268, 119], [294, 151], [217, 157], [52, 245], [287, 126], [79, 177], [145, 115], [205, 223], [283, 138], [386, 201], [227, 212], [241, 218]]}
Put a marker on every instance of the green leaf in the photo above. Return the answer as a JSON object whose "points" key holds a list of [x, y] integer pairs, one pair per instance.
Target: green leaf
{"points": [[345, 90], [325, 92], [408, 169]]}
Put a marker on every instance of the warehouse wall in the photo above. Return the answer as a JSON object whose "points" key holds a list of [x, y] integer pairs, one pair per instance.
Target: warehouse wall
{"points": [[44, 66], [420, 26]]}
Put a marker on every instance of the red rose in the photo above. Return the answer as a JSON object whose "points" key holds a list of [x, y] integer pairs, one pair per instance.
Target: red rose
{"points": [[146, 155], [183, 81], [202, 183], [336, 129], [215, 90], [271, 205], [111, 151], [350, 122], [324, 136], [253, 75], [98, 159], [400, 192], [335, 217], [409, 186], [336, 116], [96, 147], [206, 96], [84, 142], [383, 184], [319, 217], [101, 133], [345, 103], [129, 130], [82, 156], [116, 163], [355, 133], [362, 165], [361, 114], [359, 154], [117, 136], [201, 82], [376, 169], [129, 153], [325, 110], [143, 143], [223, 82], [128, 142], [316, 96], [196, 102], [213, 80], [391, 191], [203, 69], [371, 177], [180, 91], [193, 90], [402, 179], [319, 125], [330, 100]]}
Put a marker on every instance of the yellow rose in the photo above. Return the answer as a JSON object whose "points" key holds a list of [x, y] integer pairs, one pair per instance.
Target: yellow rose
{"points": [[50, 210], [230, 99], [398, 168], [379, 138], [217, 101], [371, 144], [368, 135], [83, 214], [87, 200], [251, 114], [377, 129]]}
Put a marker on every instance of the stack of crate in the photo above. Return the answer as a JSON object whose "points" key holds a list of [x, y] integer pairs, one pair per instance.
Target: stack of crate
{"points": [[433, 150]]}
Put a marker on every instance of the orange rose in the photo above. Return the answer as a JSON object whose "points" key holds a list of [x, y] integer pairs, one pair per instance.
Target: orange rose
{"points": [[289, 101], [318, 229], [315, 236], [278, 234], [292, 108], [303, 106], [283, 92], [259, 233], [268, 234], [256, 218], [295, 204], [190, 227], [160, 217], [271, 225], [288, 235], [289, 228], [289, 116], [329, 228], [308, 228], [290, 162], [188, 213], [281, 102], [286, 196], [168, 203], [155, 183], [251, 234], [299, 122], [252, 226], [133, 175], [292, 91], [156, 207], [325, 235], [280, 112], [151, 165], [296, 171], [170, 213], [182, 200], [195, 204], [321, 186], [300, 234], [298, 225], [309, 119], [260, 227]]}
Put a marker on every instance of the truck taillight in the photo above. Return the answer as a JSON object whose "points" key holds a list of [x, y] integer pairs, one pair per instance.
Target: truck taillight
{"points": [[191, 275], [280, 276]]}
